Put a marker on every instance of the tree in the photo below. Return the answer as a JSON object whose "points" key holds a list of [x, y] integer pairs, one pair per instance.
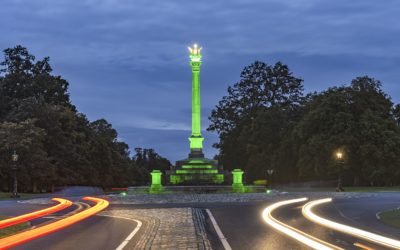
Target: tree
{"points": [[57, 145], [35, 168], [24, 78], [396, 114], [357, 119], [148, 159], [261, 86], [254, 117]]}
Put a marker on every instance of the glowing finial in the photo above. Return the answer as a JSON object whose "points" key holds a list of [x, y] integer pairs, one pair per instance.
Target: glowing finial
{"points": [[195, 50]]}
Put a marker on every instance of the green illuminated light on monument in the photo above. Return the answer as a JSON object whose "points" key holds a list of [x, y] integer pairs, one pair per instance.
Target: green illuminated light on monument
{"points": [[202, 171], [196, 140], [156, 186], [196, 169], [237, 184]]}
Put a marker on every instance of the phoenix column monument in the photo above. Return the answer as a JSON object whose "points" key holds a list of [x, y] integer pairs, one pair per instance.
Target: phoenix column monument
{"points": [[196, 169]]}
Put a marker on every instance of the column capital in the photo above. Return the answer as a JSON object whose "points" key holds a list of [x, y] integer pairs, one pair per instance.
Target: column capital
{"points": [[195, 65]]}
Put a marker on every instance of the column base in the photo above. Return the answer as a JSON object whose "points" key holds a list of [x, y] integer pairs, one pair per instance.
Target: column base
{"points": [[156, 189], [196, 142]]}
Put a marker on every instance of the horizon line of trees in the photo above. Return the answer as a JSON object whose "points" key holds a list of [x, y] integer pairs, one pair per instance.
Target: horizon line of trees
{"points": [[57, 145], [266, 121]]}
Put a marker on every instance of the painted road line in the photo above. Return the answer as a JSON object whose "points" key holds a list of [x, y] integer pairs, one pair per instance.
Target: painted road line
{"points": [[131, 235], [25, 236], [294, 233], [62, 204], [218, 230], [76, 210], [84, 204], [372, 237]]}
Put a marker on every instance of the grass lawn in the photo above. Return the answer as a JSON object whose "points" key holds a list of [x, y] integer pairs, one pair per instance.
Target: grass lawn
{"points": [[13, 229], [391, 217], [372, 189], [350, 189], [4, 196]]}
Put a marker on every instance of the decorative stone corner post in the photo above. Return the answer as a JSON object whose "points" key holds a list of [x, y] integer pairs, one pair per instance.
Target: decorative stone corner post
{"points": [[237, 184], [156, 186]]}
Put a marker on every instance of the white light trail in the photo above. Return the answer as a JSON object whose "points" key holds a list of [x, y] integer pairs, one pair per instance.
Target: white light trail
{"points": [[293, 232], [376, 238]]}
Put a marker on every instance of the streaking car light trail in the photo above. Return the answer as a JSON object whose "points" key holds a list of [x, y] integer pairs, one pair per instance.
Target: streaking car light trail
{"points": [[34, 215], [375, 238], [25, 236], [293, 232]]}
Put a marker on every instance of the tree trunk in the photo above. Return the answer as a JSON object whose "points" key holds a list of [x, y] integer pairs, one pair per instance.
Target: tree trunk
{"points": [[356, 181], [34, 187]]}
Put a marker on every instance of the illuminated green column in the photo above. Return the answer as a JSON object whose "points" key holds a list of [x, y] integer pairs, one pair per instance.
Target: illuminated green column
{"points": [[196, 140], [156, 186], [237, 185]]}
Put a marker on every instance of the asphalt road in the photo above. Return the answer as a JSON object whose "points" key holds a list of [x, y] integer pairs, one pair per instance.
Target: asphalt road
{"points": [[97, 232], [241, 224], [244, 227]]}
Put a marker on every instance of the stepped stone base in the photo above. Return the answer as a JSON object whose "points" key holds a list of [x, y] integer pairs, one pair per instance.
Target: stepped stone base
{"points": [[196, 171], [198, 189]]}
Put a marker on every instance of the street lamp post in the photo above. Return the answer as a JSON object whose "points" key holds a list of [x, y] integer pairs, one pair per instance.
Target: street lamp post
{"points": [[14, 169], [339, 157], [270, 172]]}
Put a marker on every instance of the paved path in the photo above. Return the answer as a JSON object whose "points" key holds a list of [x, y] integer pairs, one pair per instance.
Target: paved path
{"points": [[173, 228]]}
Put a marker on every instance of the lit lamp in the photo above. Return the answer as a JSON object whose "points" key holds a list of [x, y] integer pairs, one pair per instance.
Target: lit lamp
{"points": [[339, 158], [14, 158]]}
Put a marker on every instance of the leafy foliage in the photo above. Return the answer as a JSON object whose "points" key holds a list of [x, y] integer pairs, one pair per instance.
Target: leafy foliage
{"points": [[57, 145], [255, 115], [265, 123]]}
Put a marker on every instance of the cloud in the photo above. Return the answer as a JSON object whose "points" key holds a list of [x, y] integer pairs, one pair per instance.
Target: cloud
{"points": [[140, 33], [127, 61], [151, 124]]}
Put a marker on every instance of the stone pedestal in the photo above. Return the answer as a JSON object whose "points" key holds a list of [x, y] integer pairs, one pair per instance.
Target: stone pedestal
{"points": [[237, 184], [196, 171], [156, 185]]}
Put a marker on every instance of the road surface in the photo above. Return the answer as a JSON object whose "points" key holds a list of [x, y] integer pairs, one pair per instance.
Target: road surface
{"points": [[241, 224]]}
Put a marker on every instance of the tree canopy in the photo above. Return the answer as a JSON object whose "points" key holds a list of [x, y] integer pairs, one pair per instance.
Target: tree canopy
{"points": [[266, 122], [57, 144]]}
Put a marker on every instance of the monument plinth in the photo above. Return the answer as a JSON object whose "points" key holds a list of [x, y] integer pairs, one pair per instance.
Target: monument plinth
{"points": [[196, 169]]}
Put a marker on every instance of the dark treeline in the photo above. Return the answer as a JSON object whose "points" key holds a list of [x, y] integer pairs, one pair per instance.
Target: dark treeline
{"points": [[56, 145], [267, 122]]}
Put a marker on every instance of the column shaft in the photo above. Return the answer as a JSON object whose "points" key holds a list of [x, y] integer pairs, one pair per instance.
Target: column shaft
{"points": [[196, 120]]}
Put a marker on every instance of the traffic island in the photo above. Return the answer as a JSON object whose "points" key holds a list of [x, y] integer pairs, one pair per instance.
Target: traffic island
{"points": [[391, 217], [4, 232]]}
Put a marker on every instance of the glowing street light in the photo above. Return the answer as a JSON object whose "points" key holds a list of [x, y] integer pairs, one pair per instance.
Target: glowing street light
{"points": [[339, 157]]}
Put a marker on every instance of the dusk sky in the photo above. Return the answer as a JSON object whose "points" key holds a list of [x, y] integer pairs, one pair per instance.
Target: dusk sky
{"points": [[127, 61]]}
